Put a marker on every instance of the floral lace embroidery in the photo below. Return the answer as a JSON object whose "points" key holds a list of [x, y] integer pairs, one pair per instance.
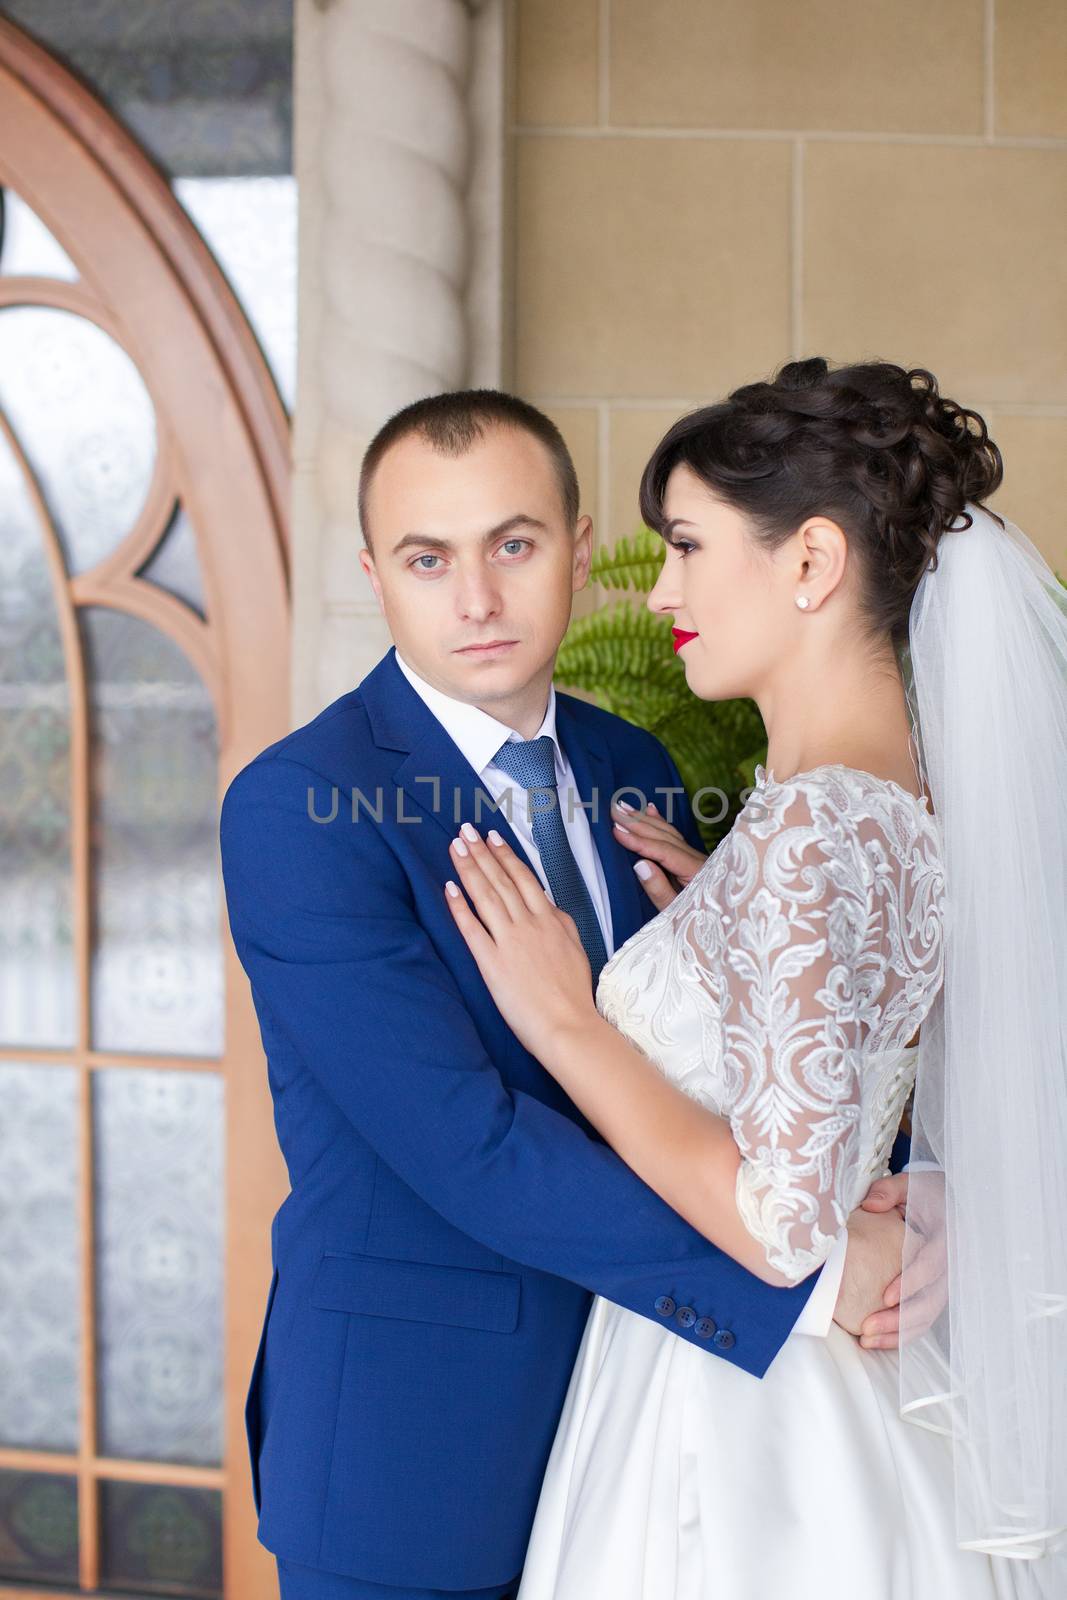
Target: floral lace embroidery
{"points": [[782, 987]]}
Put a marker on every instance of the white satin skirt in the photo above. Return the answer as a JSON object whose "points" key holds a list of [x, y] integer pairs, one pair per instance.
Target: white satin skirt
{"points": [[677, 1476]]}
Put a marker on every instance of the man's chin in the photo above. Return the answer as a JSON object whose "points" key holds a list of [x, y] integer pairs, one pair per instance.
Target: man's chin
{"points": [[469, 676], [505, 669]]}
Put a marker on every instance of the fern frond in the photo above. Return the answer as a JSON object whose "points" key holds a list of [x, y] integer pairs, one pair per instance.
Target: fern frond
{"points": [[632, 562], [614, 646]]}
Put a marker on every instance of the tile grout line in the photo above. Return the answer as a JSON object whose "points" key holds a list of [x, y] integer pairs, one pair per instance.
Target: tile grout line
{"points": [[604, 63], [989, 77], [797, 237], [603, 473], [965, 141]]}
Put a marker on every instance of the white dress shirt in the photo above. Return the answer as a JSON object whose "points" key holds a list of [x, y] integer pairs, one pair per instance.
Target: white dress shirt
{"points": [[818, 1313], [478, 737]]}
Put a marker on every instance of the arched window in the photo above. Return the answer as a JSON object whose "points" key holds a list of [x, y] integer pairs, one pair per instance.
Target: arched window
{"points": [[143, 660]]}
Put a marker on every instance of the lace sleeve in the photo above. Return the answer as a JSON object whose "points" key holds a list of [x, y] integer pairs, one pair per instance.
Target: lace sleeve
{"points": [[804, 981]]}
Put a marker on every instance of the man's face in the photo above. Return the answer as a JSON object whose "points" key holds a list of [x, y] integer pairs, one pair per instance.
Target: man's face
{"points": [[474, 564]]}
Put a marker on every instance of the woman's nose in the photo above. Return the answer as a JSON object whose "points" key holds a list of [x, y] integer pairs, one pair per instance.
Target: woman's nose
{"points": [[663, 595]]}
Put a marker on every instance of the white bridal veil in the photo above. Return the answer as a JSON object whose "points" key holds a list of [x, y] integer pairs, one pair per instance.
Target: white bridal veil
{"points": [[987, 1209]]}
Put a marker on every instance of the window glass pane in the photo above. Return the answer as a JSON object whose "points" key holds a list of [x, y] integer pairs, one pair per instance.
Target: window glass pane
{"points": [[40, 1313], [27, 248], [250, 224], [156, 973], [159, 1214], [82, 415], [159, 1540], [37, 979], [174, 564], [38, 1527]]}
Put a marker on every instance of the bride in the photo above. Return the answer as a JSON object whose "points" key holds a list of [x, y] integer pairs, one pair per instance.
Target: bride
{"points": [[750, 1049]]}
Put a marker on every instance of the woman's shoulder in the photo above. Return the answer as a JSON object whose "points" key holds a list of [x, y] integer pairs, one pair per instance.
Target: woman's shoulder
{"points": [[832, 810], [836, 775]]}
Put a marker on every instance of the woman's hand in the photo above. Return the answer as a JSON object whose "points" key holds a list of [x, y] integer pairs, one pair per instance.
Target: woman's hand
{"points": [[662, 850], [528, 951]]}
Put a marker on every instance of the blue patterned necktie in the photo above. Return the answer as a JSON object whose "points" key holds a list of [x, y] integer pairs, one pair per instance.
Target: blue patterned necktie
{"points": [[532, 763]]}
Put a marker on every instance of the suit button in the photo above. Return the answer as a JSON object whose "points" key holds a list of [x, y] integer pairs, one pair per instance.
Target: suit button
{"points": [[686, 1316], [665, 1305], [724, 1339], [704, 1328]]}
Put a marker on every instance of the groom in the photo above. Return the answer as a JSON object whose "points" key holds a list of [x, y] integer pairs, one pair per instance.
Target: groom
{"points": [[451, 1210]]}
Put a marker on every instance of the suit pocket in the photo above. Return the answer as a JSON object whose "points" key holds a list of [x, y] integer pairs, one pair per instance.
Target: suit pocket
{"points": [[418, 1291]]}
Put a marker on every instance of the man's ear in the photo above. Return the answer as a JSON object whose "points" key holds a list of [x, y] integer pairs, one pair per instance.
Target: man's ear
{"points": [[366, 561], [583, 553]]}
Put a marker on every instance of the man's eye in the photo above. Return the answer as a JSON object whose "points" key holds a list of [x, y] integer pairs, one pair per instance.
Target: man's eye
{"points": [[420, 559], [509, 545]]}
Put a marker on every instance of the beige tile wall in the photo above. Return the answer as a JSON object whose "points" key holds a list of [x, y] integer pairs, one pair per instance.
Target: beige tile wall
{"points": [[706, 188]]}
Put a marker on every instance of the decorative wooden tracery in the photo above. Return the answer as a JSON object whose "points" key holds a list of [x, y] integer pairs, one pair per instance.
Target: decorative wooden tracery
{"points": [[143, 275]]}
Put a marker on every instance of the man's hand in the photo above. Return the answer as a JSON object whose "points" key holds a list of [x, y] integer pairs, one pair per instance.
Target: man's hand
{"points": [[928, 1268], [883, 1208], [872, 1261], [880, 1328]]}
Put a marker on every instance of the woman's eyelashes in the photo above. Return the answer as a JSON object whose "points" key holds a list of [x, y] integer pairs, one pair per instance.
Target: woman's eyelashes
{"points": [[508, 548], [683, 546]]}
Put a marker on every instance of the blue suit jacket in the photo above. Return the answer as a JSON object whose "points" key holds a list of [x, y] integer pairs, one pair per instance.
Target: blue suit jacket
{"points": [[450, 1208]]}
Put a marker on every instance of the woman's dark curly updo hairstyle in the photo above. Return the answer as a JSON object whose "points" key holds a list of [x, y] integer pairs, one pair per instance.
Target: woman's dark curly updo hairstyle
{"points": [[874, 446]]}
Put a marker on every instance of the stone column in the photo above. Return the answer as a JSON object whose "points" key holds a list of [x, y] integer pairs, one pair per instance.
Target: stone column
{"points": [[400, 166]]}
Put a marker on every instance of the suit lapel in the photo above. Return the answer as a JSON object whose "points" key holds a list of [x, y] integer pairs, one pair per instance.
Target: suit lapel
{"points": [[441, 783], [438, 782], [436, 779]]}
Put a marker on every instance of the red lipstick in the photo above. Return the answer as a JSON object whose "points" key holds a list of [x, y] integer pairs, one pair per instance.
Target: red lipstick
{"points": [[681, 637]]}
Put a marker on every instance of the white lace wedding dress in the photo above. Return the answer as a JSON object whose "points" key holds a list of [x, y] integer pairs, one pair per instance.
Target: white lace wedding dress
{"points": [[780, 988]]}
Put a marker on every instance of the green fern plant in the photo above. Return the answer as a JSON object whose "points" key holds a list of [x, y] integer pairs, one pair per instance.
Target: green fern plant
{"points": [[623, 657]]}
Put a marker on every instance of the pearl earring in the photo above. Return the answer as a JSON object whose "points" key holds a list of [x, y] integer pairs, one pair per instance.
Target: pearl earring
{"points": [[803, 602]]}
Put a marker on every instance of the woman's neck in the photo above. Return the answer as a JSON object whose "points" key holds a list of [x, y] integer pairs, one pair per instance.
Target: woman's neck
{"points": [[850, 710]]}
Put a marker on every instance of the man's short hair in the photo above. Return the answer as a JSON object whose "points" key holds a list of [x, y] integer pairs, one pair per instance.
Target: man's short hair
{"points": [[450, 424]]}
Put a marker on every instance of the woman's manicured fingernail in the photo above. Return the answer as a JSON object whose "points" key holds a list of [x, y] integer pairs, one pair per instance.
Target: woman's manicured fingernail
{"points": [[460, 848], [620, 829], [452, 889], [624, 805], [494, 837], [643, 869], [652, 808], [469, 831]]}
